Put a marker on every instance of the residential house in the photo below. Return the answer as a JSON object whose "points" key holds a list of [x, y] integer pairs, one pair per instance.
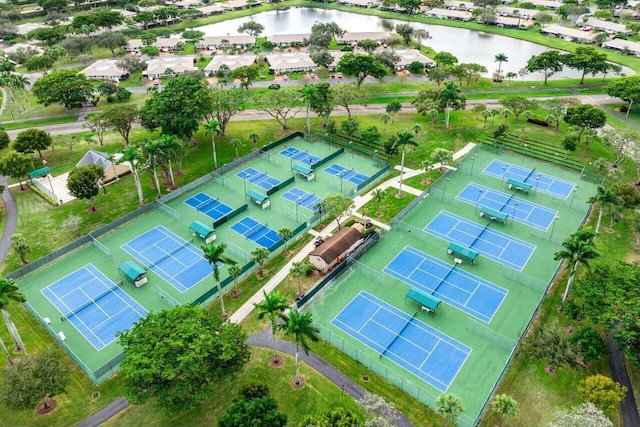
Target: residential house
{"points": [[282, 63], [134, 45], [549, 4], [287, 39], [354, 38], [459, 5], [361, 3], [188, 4], [607, 26], [231, 61], [570, 34], [214, 9], [623, 46], [220, 42], [14, 48], [125, 13], [619, 13], [238, 5], [407, 56], [167, 44], [454, 15], [105, 69], [510, 22], [517, 13], [169, 65], [336, 248]]}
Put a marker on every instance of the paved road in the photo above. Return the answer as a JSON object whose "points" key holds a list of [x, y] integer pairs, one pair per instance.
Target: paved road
{"points": [[11, 219], [628, 407]]}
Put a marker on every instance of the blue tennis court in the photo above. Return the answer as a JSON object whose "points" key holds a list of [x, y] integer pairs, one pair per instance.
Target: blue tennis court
{"points": [[258, 178], [413, 345], [252, 229], [500, 247], [463, 290], [543, 183], [208, 206], [171, 257], [94, 305], [302, 198], [300, 156], [350, 175], [521, 210]]}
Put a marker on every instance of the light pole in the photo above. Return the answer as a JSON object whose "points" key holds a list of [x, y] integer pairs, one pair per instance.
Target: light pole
{"points": [[340, 176], [573, 196], [473, 161], [244, 181], [297, 203], [375, 158], [515, 206], [478, 200], [553, 227], [504, 171], [444, 188], [535, 191], [44, 163]]}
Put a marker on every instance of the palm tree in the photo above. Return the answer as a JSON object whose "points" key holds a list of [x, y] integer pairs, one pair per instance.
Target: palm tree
{"points": [[260, 255], [214, 253], [494, 113], [510, 76], [452, 97], [504, 406], [500, 58], [404, 138], [416, 129], [254, 137], [578, 248], [132, 155], [273, 306], [285, 234], [378, 195], [449, 407], [153, 148], [318, 208], [301, 327], [169, 145], [505, 113], [308, 91], [9, 292], [433, 114], [603, 196], [234, 271], [235, 143], [298, 270], [386, 118], [485, 114], [526, 115], [213, 128]]}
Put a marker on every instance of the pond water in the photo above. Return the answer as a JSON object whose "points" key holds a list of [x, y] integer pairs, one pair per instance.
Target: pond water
{"points": [[467, 45]]}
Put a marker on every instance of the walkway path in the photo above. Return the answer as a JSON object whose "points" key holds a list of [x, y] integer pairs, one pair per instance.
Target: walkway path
{"points": [[628, 407], [11, 219]]}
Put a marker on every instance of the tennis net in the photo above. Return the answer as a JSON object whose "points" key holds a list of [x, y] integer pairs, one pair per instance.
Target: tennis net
{"points": [[169, 211], [508, 200], [398, 336], [202, 206], [256, 177], [91, 301], [100, 246], [478, 236], [529, 176], [170, 253], [305, 198], [444, 279], [255, 230]]}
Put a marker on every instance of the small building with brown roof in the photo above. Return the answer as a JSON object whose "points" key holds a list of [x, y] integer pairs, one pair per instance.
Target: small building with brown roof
{"points": [[336, 248]]}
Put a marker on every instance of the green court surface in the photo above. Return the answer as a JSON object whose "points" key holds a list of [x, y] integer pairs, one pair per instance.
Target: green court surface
{"points": [[492, 343], [158, 293]]}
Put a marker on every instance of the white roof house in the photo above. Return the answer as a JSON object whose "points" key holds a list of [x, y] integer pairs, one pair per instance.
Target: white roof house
{"points": [[14, 48], [607, 26], [125, 13], [455, 15], [407, 56], [288, 62], [349, 38], [231, 61], [361, 3], [167, 44], [510, 22], [623, 46], [211, 9], [569, 33], [24, 29], [214, 42], [287, 39], [168, 65], [514, 11], [237, 4], [549, 4], [134, 45], [459, 5], [105, 69], [626, 12], [186, 4]]}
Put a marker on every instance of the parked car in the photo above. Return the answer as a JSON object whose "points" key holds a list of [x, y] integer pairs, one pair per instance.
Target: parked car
{"points": [[339, 75], [407, 73]]}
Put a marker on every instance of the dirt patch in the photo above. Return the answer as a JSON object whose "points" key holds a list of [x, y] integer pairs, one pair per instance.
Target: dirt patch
{"points": [[43, 409], [399, 195], [378, 214], [276, 363], [297, 385], [93, 211], [609, 230], [236, 294], [550, 370]]}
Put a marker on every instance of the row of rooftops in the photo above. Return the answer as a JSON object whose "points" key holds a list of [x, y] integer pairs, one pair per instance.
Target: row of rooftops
{"points": [[278, 62]]}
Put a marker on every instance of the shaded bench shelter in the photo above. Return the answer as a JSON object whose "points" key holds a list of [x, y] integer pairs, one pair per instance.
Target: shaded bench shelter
{"points": [[463, 251], [427, 302], [493, 214], [259, 198], [203, 231], [133, 273], [304, 171], [518, 185]]}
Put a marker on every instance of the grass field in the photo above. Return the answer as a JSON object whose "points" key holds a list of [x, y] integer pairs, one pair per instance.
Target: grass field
{"points": [[389, 207]]}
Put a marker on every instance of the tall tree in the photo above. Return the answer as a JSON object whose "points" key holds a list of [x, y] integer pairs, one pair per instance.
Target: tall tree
{"points": [[285, 234], [98, 124], [253, 408], [225, 103], [15, 165], [282, 104], [627, 89], [500, 58], [35, 379], [121, 118], [308, 92], [505, 407], [213, 127], [133, 156], [403, 139], [586, 59], [451, 98], [31, 140], [251, 28], [234, 271], [378, 195], [152, 149], [83, 182], [348, 94], [214, 254], [299, 270], [273, 306], [21, 247], [602, 196], [178, 108], [301, 328], [549, 63], [339, 206], [602, 391], [517, 104], [585, 116], [65, 86], [322, 101], [170, 147], [360, 66], [579, 247], [260, 255], [449, 407], [191, 351], [406, 32], [9, 292]]}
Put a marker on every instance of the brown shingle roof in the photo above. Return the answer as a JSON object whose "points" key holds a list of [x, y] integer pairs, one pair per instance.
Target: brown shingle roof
{"points": [[335, 246]]}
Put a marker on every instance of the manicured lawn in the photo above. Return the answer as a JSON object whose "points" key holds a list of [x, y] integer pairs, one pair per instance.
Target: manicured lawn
{"points": [[41, 122], [389, 207]]}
